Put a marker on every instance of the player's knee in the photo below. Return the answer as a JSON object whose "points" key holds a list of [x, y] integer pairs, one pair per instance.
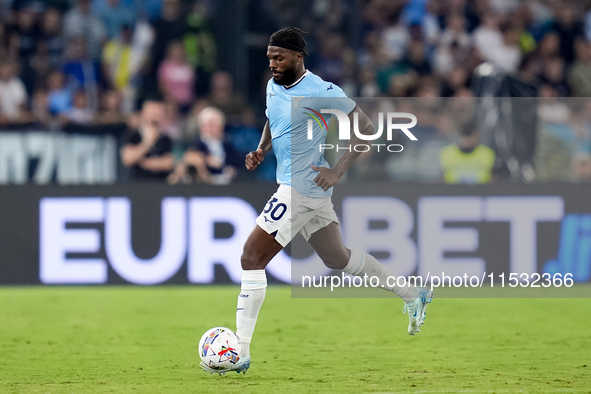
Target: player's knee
{"points": [[250, 262], [334, 263], [337, 261]]}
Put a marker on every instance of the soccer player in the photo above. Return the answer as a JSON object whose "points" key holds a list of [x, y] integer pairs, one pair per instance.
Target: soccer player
{"points": [[303, 203]]}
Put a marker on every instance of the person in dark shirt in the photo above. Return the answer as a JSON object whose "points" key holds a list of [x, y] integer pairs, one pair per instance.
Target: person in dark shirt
{"points": [[569, 28], [80, 71], [50, 28], [148, 153], [24, 33], [168, 28], [23, 37]]}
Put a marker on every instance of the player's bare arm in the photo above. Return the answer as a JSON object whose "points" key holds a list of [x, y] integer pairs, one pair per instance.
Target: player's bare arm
{"points": [[254, 158], [328, 177]]}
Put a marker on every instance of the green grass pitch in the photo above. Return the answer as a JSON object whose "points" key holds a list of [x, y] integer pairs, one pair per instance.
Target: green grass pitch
{"points": [[144, 339]]}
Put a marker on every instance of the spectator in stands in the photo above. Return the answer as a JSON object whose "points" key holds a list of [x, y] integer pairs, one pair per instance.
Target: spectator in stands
{"points": [[170, 27], [13, 95], [40, 112], [80, 113], [200, 45], [114, 14], [428, 88], [454, 46], [40, 63], [176, 78], [151, 9], [241, 135], [548, 47], [142, 42], [456, 81], [81, 72], [331, 62], [529, 70], [80, 22], [213, 159], [368, 86], [579, 75], [568, 27], [24, 33], [587, 22], [455, 31], [582, 167], [23, 36], [59, 96], [415, 58], [395, 34], [508, 55], [555, 139], [111, 113], [225, 98], [51, 33], [3, 41], [191, 129], [402, 85], [117, 60], [427, 20], [173, 121], [459, 112], [373, 53], [554, 76], [580, 122], [147, 152], [550, 108], [467, 161], [126, 61], [488, 37], [522, 19]]}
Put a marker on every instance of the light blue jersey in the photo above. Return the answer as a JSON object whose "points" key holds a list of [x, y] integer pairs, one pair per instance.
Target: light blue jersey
{"points": [[295, 153]]}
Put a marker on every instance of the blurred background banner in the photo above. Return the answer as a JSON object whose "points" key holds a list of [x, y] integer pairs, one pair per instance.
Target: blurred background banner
{"points": [[149, 234], [65, 158]]}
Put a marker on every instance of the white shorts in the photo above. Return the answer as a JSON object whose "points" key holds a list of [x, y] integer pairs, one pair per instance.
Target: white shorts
{"points": [[289, 212]]}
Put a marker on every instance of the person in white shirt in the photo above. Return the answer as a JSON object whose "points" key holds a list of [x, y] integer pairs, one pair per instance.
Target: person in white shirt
{"points": [[13, 96]]}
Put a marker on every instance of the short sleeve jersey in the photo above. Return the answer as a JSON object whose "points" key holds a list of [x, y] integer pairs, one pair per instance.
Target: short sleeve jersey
{"points": [[294, 151]]}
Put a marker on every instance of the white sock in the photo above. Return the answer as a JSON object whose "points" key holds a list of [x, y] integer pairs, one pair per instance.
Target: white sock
{"points": [[361, 263], [250, 300]]}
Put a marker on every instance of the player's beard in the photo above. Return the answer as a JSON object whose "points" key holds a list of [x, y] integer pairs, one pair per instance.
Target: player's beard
{"points": [[287, 77]]}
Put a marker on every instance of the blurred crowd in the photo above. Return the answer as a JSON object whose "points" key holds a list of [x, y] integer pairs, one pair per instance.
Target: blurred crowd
{"points": [[149, 65], [154, 66], [431, 47]]}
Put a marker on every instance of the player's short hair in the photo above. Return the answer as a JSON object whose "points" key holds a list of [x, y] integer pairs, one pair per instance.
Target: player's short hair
{"points": [[290, 38]]}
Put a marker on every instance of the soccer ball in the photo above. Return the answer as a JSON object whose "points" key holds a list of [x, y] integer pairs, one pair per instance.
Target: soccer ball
{"points": [[219, 348]]}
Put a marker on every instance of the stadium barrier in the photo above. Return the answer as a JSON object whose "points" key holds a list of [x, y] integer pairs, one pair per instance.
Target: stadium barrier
{"points": [[154, 234], [75, 155]]}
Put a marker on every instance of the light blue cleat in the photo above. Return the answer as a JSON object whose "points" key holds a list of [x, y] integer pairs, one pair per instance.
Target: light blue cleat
{"points": [[241, 366], [416, 309]]}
